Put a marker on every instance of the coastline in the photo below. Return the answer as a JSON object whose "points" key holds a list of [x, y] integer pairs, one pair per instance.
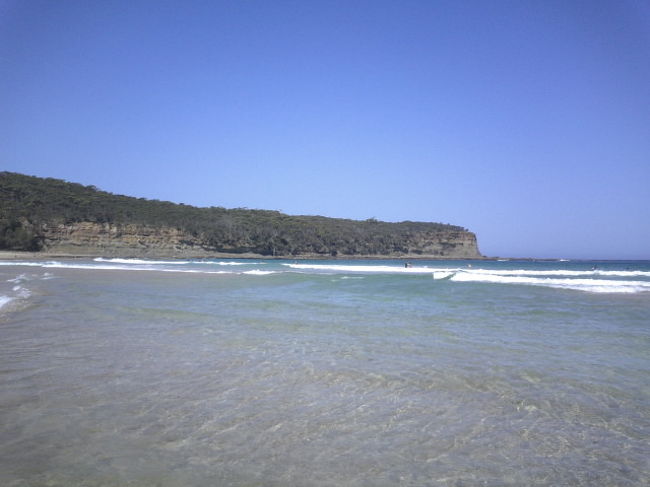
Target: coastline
{"points": [[43, 255], [214, 350]]}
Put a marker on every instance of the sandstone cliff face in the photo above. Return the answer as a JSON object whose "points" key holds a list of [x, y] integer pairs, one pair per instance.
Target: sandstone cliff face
{"points": [[131, 240], [69, 218], [458, 245], [88, 238]]}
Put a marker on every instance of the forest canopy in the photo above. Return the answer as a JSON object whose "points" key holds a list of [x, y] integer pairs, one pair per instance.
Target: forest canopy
{"points": [[28, 204]]}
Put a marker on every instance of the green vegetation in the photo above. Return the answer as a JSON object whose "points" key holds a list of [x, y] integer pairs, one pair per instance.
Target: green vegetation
{"points": [[28, 205]]}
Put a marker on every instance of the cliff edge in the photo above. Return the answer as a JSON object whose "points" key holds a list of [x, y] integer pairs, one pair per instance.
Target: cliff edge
{"points": [[55, 216]]}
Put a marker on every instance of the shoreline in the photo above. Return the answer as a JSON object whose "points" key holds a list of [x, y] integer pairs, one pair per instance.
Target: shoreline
{"points": [[44, 255], [8, 255]]}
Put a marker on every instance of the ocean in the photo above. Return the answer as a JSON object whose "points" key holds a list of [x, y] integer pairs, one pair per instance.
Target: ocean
{"points": [[124, 372]]}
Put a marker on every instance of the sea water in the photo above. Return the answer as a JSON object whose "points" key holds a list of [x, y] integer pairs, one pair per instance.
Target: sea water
{"points": [[131, 372]]}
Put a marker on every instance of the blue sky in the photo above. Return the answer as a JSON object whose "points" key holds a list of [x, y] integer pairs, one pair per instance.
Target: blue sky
{"points": [[527, 122]]}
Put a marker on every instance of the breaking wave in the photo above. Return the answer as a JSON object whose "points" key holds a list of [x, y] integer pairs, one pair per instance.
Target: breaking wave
{"points": [[188, 267], [563, 272], [382, 269], [172, 262], [4, 300], [590, 285], [589, 280], [16, 294], [609, 279], [142, 261]]}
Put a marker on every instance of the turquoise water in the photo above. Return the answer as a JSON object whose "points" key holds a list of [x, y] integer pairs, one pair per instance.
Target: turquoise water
{"points": [[325, 373]]}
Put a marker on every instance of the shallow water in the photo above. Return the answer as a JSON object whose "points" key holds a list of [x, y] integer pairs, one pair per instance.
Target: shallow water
{"points": [[205, 373]]}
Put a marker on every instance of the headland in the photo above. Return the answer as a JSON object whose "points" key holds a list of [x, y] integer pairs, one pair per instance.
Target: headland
{"points": [[54, 218]]}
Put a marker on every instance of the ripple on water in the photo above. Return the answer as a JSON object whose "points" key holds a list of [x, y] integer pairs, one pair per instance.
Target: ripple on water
{"points": [[317, 381]]}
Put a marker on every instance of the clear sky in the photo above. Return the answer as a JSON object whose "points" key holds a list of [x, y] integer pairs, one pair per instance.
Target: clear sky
{"points": [[528, 122]]}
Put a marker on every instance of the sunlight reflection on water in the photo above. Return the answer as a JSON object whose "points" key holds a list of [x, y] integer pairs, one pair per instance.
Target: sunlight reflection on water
{"points": [[143, 379]]}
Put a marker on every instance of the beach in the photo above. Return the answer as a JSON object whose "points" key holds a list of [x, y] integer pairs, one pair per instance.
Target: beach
{"points": [[245, 372]]}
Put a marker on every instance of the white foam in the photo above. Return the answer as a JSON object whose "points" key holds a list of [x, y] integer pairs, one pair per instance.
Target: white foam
{"points": [[172, 262], [4, 300], [442, 275], [143, 261], [114, 265], [109, 266], [385, 269], [591, 285], [428, 270], [181, 271], [18, 290], [561, 272], [585, 280], [595, 280], [61, 265], [18, 279], [23, 293], [127, 265]]}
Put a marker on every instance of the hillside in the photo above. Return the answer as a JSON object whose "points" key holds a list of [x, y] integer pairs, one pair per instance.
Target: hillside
{"points": [[57, 216]]}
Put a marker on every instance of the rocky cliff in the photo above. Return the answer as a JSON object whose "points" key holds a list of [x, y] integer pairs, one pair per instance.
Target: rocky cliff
{"points": [[132, 240], [68, 218], [119, 240]]}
